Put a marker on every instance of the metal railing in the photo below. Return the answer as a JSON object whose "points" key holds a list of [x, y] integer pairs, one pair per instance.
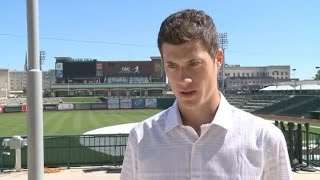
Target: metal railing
{"points": [[73, 150], [91, 150], [303, 145]]}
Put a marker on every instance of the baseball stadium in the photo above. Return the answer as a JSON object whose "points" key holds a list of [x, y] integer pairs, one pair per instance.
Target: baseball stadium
{"points": [[92, 106]]}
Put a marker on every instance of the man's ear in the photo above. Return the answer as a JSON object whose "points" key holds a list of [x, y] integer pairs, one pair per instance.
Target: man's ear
{"points": [[219, 58]]}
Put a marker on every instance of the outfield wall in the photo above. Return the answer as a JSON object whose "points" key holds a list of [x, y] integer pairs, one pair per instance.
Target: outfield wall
{"points": [[125, 103]]}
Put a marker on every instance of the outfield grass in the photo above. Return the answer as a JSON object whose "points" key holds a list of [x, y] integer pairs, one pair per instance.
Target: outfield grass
{"points": [[78, 122], [72, 122]]}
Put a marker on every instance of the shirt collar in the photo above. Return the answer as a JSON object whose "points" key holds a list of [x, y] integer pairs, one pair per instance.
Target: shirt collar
{"points": [[224, 114], [173, 118], [222, 117]]}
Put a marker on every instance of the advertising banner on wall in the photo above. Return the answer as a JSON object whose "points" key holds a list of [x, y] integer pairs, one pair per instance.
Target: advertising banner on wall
{"points": [[1, 109], [82, 106], [95, 106], [125, 103], [12, 109], [138, 103], [113, 103], [59, 70], [65, 106], [50, 107], [24, 108], [151, 103]]}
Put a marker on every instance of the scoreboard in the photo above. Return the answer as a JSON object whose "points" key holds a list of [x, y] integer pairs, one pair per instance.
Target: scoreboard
{"points": [[76, 69]]}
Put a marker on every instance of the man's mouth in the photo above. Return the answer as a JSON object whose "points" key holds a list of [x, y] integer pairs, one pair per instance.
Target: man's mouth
{"points": [[187, 92]]}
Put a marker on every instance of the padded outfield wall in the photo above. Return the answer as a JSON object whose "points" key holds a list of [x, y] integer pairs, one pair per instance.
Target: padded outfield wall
{"points": [[125, 103]]}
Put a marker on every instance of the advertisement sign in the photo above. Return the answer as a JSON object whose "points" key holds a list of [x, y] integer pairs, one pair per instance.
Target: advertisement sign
{"points": [[138, 103], [24, 108], [113, 103], [82, 106], [1, 109], [99, 106], [50, 107], [151, 103], [59, 66], [12, 109], [65, 106], [125, 103], [59, 74]]}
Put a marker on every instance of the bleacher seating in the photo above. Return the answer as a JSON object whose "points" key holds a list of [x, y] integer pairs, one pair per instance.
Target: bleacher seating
{"points": [[301, 109], [252, 103], [9, 101], [284, 107]]}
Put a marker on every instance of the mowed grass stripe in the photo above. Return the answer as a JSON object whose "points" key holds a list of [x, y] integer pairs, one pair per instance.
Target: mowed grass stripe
{"points": [[72, 122], [13, 124]]}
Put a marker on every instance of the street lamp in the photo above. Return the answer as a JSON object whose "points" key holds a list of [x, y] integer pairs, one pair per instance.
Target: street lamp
{"points": [[223, 44], [318, 73], [294, 71]]}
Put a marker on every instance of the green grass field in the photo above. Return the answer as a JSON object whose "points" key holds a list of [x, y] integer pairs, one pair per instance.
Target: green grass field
{"points": [[72, 122], [78, 122]]}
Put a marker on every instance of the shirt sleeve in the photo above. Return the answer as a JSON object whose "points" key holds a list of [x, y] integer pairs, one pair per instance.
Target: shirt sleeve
{"points": [[129, 166], [277, 165]]}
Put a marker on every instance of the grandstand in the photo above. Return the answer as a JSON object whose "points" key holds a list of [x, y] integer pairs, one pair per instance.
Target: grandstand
{"points": [[251, 103], [295, 105], [9, 101]]}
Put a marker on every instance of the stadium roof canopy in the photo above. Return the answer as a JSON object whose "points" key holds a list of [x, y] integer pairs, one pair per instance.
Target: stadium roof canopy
{"points": [[308, 87], [278, 88]]}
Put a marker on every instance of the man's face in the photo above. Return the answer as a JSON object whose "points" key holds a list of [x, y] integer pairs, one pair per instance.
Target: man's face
{"points": [[192, 73]]}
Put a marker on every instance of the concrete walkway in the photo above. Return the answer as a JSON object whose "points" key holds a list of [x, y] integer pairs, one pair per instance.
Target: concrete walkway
{"points": [[102, 173]]}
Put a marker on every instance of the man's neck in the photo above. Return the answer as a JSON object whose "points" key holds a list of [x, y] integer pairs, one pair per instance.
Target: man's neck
{"points": [[197, 116]]}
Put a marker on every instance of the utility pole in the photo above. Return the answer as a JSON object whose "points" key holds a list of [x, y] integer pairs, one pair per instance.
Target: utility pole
{"points": [[34, 96], [223, 40]]}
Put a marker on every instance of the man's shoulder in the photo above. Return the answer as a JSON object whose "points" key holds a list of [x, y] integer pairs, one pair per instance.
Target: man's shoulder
{"points": [[153, 123], [262, 127]]}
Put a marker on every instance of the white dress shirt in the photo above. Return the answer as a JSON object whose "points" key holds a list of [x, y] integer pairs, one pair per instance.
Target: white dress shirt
{"points": [[235, 145]]}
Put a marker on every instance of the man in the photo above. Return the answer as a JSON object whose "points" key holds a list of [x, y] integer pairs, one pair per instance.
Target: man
{"points": [[201, 136]]}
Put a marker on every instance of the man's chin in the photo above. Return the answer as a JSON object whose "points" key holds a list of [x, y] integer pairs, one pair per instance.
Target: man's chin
{"points": [[187, 103]]}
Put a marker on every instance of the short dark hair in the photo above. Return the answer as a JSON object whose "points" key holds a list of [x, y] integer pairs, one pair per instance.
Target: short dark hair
{"points": [[188, 25]]}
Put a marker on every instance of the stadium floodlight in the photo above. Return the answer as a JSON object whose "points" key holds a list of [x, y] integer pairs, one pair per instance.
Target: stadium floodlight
{"points": [[42, 58], [294, 71], [223, 41], [317, 74]]}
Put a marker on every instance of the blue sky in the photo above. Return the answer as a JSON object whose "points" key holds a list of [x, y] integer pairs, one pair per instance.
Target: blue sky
{"points": [[260, 33]]}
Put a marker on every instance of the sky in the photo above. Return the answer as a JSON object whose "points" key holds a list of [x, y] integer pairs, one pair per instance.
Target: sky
{"points": [[260, 33]]}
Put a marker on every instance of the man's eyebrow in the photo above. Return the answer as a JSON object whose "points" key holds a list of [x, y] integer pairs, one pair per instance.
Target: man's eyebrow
{"points": [[169, 62]]}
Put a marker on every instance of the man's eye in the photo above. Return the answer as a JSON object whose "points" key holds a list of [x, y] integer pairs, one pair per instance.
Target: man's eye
{"points": [[171, 66], [194, 63]]}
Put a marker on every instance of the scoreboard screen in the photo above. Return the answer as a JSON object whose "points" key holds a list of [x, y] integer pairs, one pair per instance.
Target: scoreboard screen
{"points": [[74, 69]]}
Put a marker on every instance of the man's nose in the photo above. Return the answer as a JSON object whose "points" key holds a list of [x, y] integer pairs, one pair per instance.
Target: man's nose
{"points": [[184, 76]]}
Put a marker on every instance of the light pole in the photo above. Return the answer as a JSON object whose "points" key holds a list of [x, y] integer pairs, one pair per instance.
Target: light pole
{"points": [[294, 71], [318, 73], [68, 87], [294, 81], [223, 40]]}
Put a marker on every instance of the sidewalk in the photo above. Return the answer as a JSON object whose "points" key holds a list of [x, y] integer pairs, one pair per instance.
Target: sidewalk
{"points": [[103, 173]]}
